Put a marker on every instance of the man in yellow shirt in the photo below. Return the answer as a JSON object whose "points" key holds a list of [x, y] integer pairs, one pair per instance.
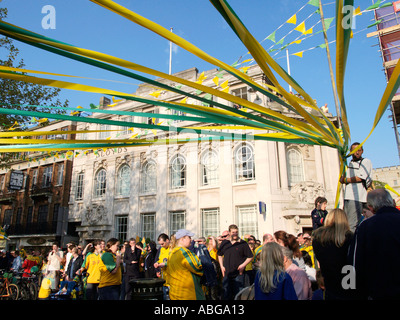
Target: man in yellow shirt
{"points": [[161, 259], [184, 270]]}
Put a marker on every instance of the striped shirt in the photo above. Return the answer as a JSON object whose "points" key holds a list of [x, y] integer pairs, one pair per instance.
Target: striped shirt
{"points": [[184, 272]]}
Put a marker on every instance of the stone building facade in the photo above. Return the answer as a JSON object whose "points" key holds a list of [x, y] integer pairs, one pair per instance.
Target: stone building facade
{"points": [[261, 186]]}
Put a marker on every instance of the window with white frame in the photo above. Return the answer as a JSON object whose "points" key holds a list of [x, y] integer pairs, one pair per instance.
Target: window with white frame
{"points": [[104, 135], [177, 172], [176, 221], [60, 174], [241, 93], [123, 180], [121, 228], [2, 180], [34, 177], [79, 186], [244, 163], [100, 183], [47, 176], [148, 225], [210, 222], [247, 219], [149, 177], [295, 166], [177, 113], [209, 168], [125, 130]]}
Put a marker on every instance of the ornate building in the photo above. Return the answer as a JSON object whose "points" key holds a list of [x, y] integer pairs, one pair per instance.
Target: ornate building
{"points": [[262, 186]]}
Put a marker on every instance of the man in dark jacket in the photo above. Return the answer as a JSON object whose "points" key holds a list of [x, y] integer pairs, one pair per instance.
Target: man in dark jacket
{"points": [[132, 262], [375, 252], [149, 270]]}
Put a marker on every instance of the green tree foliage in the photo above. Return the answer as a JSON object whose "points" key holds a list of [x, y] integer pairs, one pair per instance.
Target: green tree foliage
{"points": [[21, 95]]}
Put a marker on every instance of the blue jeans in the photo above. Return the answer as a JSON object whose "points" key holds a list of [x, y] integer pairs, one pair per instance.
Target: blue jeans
{"points": [[232, 286], [109, 292]]}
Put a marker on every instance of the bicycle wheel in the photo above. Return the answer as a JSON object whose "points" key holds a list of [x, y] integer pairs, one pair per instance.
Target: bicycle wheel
{"points": [[13, 292], [33, 291], [23, 292]]}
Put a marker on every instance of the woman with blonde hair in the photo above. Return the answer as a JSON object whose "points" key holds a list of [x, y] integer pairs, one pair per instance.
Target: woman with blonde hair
{"points": [[331, 244], [271, 281]]}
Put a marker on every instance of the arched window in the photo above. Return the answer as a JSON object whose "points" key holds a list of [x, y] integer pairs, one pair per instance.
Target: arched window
{"points": [[244, 163], [123, 180], [295, 166], [209, 168], [149, 177], [177, 172], [100, 182]]}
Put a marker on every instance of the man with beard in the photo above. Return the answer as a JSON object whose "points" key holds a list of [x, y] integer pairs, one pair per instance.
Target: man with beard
{"points": [[233, 256]]}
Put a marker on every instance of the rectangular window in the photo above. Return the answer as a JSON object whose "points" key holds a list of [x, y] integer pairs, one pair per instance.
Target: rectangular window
{"points": [[210, 222], [247, 220], [148, 225], [79, 186], [42, 218], [121, 228], [34, 177], [47, 176], [104, 135], [29, 220], [60, 174], [176, 221], [125, 130], [241, 93], [18, 221], [2, 180], [55, 218], [7, 217]]}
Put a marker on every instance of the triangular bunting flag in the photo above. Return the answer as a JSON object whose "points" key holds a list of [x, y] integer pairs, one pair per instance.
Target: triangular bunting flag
{"points": [[297, 42], [301, 27], [272, 36], [224, 84], [357, 12], [309, 31], [299, 54], [292, 19], [314, 3], [216, 81], [328, 22]]}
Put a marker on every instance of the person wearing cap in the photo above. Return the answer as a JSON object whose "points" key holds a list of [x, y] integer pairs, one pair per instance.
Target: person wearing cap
{"points": [[307, 246], [184, 270]]}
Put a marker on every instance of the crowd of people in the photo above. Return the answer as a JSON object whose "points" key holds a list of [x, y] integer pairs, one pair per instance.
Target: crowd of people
{"points": [[331, 263]]}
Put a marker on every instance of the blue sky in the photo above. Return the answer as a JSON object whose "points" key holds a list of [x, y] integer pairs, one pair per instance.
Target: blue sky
{"points": [[87, 25]]}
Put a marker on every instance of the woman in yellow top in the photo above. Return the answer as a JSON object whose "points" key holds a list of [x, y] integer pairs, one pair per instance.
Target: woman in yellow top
{"points": [[92, 266], [184, 270], [110, 272]]}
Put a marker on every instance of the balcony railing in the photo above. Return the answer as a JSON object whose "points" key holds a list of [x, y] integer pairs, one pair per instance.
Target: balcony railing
{"points": [[7, 197], [32, 228], [39, 190]]}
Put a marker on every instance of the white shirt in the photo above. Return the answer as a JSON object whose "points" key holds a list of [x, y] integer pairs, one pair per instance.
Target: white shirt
{"points": [[362, 169], [54, 263]]}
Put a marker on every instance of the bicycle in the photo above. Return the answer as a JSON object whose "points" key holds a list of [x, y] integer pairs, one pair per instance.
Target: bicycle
{"points": [[8, 290], [27, 287]]}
